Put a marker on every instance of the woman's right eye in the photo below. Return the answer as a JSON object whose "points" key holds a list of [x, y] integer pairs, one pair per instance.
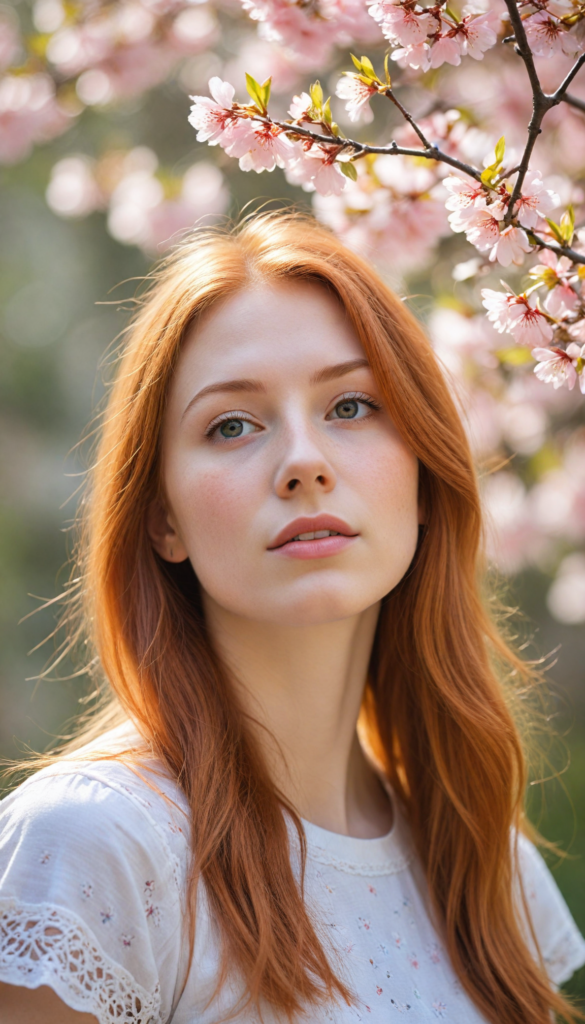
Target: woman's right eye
{"points": [[231, 427]]}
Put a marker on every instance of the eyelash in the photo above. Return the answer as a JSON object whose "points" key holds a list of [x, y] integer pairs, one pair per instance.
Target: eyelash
{"points": [[236, 414]]}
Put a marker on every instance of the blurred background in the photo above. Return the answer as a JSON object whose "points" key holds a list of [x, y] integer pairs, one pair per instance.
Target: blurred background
{"points": [[100, 172]]}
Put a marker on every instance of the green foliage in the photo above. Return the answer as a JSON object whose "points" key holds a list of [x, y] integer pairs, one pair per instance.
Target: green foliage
{"points": [[260, 94], [491, 172]]}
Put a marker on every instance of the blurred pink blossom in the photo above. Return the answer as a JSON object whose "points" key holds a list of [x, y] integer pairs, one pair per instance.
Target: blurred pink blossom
{"points": [[9, 38], [29, 113], [73, 190]]}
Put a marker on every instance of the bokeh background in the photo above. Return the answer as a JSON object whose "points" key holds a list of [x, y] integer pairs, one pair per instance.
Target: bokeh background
{"points": [[93, 196]]}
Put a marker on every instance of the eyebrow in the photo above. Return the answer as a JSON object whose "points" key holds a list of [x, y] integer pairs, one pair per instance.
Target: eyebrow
{"points": [[320, 377]]}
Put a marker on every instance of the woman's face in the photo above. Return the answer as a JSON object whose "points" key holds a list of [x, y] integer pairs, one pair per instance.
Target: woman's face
{"points": [[275, 428]]}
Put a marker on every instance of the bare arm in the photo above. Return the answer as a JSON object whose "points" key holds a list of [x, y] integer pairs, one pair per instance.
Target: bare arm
{"points": [[40, 1005]]}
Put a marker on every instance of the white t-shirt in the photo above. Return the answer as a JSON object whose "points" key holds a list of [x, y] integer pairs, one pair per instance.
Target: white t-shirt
{"points": [[93, 868]]}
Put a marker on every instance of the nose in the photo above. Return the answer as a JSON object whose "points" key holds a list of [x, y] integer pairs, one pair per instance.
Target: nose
{"points": [[304, 466]]}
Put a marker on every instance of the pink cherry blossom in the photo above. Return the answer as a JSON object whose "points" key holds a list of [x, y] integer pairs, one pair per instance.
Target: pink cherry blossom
{"points": [[510, 247], [214, 119], [480, 32], [447, 49], [535, 201], [498, 307], [415, 56], [317, 170], [557, 367], [527, 324], [548, 37], [300, 107], [404, 25], [464, 192], [518, 315], [482, 228], [562, 298], [358, 95], [263, 147]]}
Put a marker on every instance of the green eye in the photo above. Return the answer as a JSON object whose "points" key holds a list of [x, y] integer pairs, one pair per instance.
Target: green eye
{"points": [[347, 409], [231, 428]]}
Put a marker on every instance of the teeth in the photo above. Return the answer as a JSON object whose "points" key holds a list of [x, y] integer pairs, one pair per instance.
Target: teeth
{"points": [[316, 535]]}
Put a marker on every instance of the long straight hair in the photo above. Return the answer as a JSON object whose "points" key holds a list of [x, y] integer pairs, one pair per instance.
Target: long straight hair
{"points": [[439, 704]]}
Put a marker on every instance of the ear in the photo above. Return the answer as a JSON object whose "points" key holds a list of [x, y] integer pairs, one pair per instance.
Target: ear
{"points": [[162, 531]]}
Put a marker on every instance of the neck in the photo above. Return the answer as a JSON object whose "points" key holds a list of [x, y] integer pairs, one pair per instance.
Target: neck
{"points": [[303, 688]]}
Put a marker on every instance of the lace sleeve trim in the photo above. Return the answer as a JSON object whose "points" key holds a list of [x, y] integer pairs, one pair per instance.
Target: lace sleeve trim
{"points": [[43, 944]]}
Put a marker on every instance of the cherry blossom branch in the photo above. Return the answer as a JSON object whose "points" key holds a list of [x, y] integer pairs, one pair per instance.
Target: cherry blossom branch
{"points": [[407, 116], [541, 102], [574, 101], [560, 94], [557, 248], [522, 46], [359, 149]]}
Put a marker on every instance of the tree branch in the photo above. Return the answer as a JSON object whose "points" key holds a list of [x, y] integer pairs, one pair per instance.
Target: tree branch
{"points": [[407, 116], [541, 103], [522, 46], [359, 149], [574, 101], [562, 89], [560, 250]]}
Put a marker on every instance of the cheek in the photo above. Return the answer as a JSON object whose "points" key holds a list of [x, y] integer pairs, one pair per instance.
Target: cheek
{"points": [[214, 512]]}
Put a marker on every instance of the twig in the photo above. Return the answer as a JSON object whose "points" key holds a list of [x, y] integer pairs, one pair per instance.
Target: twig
{"points": [[562, 89], [360, 149], [407, 116], [560, 250], [574, 101]]}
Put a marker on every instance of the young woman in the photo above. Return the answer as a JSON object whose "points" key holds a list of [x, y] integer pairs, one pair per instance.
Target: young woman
{"points": [[303, 798]]}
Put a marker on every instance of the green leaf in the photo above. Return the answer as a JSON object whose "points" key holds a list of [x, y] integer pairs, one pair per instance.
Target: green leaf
{"points": [[327, 111], [256, 92], [348, 169], [365, 68], [316, 94], [500, 150], [556, 230], [265, 92], [387, 73], [490, 173], [567, 226]]}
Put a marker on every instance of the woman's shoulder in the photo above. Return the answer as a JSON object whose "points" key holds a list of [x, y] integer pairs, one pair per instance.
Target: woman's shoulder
{"points": [[93, 797], [93, 864]]}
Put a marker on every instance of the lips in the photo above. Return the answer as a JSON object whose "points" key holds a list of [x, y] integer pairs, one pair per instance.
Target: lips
{"points": [[311, 524]]}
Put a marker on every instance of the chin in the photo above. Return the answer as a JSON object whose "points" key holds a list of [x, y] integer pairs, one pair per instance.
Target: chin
{"points": [[318, 608]]}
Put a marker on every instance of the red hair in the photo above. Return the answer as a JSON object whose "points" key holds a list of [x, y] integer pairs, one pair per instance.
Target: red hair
{"points": [[435, 712]]}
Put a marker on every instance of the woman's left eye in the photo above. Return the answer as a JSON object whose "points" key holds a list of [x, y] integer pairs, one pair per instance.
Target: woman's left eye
{"points": [[353, 407]]}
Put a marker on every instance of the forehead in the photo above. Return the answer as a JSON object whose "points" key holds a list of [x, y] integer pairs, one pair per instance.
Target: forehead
{"points": [[271, 329]]}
